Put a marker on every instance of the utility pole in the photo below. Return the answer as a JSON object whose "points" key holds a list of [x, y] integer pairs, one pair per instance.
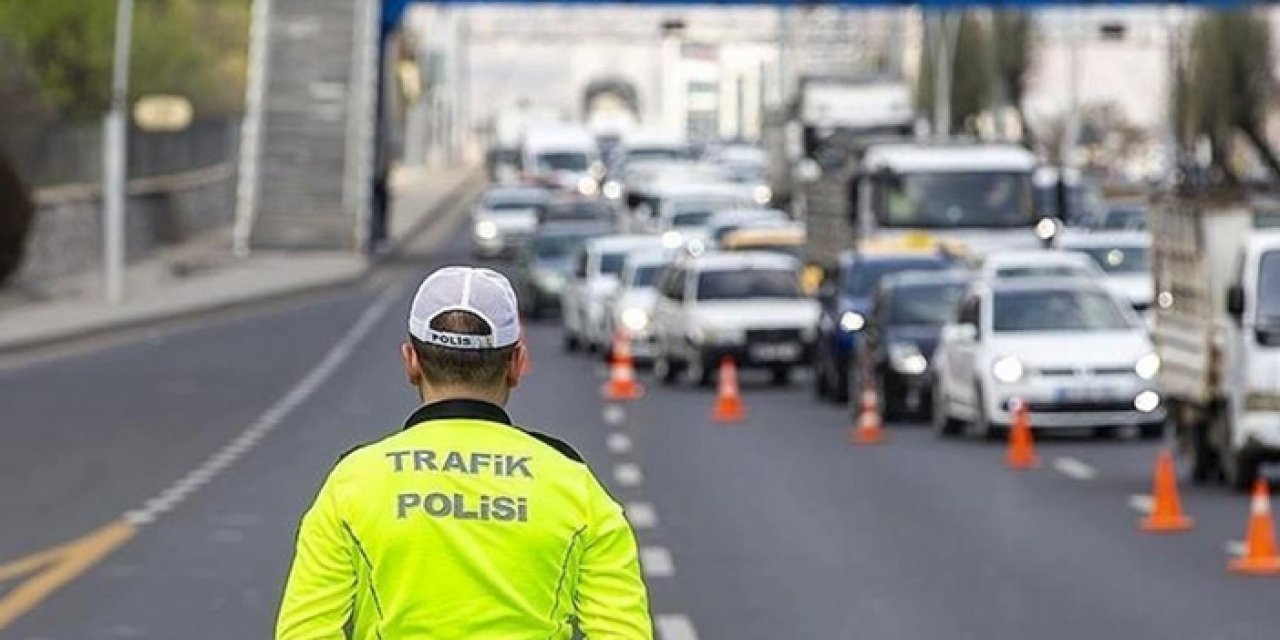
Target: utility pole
{"points": [[115, 158]]}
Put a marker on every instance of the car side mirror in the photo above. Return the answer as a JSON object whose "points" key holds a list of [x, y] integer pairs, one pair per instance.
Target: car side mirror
{"points": [[1235, 301]]}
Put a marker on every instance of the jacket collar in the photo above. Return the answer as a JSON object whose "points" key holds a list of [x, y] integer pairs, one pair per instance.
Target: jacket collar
{"points": [[459, 409]]}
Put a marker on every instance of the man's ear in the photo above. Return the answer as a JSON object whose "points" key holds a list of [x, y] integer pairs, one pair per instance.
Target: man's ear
{"points": [[412, 369], [516, 366]]}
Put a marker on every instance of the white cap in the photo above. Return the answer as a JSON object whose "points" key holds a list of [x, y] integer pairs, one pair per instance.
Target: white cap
{"points": [[483, 292]]}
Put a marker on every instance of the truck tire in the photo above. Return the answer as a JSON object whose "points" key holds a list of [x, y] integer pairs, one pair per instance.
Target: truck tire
{"points": [[1240, 470]]}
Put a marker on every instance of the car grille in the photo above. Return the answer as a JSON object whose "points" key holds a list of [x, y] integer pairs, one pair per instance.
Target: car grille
{"points": [[1084, 406], [772, 336]]}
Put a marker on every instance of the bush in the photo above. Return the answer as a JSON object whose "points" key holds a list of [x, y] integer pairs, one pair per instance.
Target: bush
{"points": [[17, 213]]}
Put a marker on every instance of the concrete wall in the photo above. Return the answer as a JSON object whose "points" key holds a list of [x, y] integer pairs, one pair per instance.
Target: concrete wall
{"points": [[66, 240]]}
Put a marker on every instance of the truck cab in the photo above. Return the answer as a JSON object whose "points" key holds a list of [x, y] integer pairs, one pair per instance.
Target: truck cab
{"points": [[979, 195]]}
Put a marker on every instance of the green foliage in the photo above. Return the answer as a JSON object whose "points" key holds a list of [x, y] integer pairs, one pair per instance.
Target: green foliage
{"points": [[974, 63], [194, 48], [971, 82]]}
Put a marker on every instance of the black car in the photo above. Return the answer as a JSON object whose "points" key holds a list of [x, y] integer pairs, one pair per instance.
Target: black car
{"points": [[907, 312], [543, 267]]}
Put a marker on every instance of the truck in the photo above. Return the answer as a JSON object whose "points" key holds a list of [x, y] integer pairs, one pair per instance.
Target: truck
{"points": [[1216, 268], [827, 118]]}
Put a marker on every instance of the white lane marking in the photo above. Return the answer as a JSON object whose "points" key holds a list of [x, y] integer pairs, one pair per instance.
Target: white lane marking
{"points": [[642, 515], [1142, 503], [657, 562], [675, 627], [1235, 547], [627, 474], [202, 474], [618, 443], [614, 414], [1073, 468]]}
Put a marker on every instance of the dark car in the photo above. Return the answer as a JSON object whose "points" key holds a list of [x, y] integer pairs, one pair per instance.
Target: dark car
{"points": [[543, 267], [903, 326], [845, 299]]}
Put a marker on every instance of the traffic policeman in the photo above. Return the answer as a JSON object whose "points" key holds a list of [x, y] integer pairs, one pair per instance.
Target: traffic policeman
{"points": [[463, 525]]}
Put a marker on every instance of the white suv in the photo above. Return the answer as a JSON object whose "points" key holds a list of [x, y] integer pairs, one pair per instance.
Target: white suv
{"points": [[593, 279], [1067, 348], [745, 305]]}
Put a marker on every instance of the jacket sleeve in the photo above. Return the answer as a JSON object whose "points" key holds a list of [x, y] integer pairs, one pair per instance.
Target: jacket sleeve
{"points": [[611, 598], [319, 595]]}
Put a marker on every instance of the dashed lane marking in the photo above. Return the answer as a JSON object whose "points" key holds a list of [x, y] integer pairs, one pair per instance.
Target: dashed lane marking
{"points": [[627, 474], [675, 627], [642, 515], [618, 443], [1142, 503], [48, 570], [656, 562], [1073, 468], [614, 414]]}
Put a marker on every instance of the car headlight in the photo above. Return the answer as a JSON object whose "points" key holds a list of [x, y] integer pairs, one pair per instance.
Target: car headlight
{"points": [[762, 194], [588, 186], [1046, 229], [1007, 369], [1147, 366], [635, 318], [612, 190], [672, 240], [852, 321], [1147, 401], [550, 280], [486, 230], [906, 358]]}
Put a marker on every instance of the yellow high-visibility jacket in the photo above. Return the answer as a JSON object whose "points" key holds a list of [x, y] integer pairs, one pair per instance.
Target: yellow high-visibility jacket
{"points": [[464, 526]]}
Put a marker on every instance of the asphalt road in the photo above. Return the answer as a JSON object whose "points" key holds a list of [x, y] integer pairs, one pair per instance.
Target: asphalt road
{"points": [[772, 528]]}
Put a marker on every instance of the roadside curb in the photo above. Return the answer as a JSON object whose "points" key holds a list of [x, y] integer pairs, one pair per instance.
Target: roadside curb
{"points": [[331, 282]]}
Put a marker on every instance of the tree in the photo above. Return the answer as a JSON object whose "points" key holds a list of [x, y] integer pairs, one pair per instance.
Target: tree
{"points": [[194, 48], [1015, 34], [1227, 87], [973, 63]]}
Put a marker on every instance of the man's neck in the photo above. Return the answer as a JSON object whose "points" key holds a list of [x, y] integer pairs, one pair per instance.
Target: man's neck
{"points": [[430, 394]]}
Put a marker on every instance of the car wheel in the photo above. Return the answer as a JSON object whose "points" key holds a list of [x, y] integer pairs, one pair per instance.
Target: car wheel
{"points": [[943, 424], [839, 385], [889, 409], [780, 376], [571, 342], [696, 371], [982, 425]]}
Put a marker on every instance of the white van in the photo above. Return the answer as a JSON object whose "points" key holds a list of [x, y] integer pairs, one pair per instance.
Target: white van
{"points": [[562, 157]]}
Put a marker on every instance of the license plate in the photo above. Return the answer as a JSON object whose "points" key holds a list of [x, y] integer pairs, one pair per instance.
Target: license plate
{"points": [[775, 352], [1081, 393]]}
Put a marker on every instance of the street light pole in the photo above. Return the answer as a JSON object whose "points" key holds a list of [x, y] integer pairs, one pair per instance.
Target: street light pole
{"points": [[115, 157]]}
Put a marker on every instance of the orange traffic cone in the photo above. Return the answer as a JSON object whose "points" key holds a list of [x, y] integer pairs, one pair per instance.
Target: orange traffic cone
{"points": [[622, 383], [868, 429], [1021, 453], [728, 407], [1167, 515], [1260, 558]]}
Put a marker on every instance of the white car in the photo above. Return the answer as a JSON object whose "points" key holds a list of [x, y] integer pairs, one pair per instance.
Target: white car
{"points": [[630, 309], [505, 219], [593, 278], [1038, 263], [1067, 348], [744, 305], [1124, 257]]}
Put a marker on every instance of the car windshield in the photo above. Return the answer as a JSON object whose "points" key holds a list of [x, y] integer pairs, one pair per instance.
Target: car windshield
{"points": [[611, 263], [1057, 310], [1125, 218], [501, 204], [690, 218], [743, 173], [644, 154], [1043, 271], [1083, 202], [576, 210], [927, 305], [644, 276], [563, 161], [557, 246], [748, 283], [862, 277], [955, 200], [1119, 259], [1268, 302]]}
